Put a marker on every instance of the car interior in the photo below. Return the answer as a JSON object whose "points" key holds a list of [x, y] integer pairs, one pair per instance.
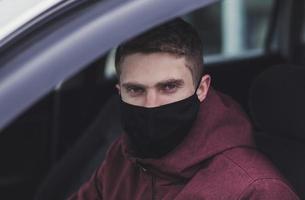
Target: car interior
{"points": [[64, 137]]}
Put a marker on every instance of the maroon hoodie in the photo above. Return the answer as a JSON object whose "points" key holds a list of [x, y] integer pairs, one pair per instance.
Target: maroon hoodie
{"points": [[217, 160]]}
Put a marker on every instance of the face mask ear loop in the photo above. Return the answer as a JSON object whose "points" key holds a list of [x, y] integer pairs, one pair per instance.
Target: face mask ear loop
{"points": [[198, 84]]}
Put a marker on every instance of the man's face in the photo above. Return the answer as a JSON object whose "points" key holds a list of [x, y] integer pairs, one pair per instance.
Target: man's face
{"points": [[151, 80]]}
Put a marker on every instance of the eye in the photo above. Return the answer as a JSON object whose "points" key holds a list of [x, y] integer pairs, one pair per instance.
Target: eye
{"points": [[169, 88], [135, 91]]}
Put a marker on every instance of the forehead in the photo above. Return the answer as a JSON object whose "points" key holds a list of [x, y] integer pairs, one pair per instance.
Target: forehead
{"points": [[154, 67]]}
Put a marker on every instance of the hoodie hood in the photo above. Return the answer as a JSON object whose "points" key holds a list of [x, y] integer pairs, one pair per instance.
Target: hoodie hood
{"points": [[219, 126]]}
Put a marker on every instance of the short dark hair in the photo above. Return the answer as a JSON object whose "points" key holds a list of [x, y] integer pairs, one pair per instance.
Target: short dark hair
{"points": [[175, 37]]}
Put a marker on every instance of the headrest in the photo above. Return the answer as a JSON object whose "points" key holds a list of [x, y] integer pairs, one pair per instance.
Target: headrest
{"points": [[277, 101]]}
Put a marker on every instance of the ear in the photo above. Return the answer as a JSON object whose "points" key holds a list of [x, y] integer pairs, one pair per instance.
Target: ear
{"points": [[118, 88], [203, 87]]}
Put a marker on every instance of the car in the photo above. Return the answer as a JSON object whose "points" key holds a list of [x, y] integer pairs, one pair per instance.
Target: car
{"points": [[58, 110]]}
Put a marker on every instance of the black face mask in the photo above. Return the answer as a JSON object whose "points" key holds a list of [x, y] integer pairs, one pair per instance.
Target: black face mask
{"points": [[153, 132]]}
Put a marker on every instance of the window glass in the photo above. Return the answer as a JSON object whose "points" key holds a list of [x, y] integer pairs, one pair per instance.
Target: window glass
{"points": [[230, 28]]}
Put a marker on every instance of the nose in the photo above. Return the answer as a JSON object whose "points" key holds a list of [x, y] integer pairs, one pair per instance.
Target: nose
{"points": [[151, 99]]}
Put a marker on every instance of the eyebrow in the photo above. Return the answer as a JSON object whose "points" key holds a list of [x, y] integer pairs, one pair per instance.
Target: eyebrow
{"points": [[178, 82], [133, 84]]}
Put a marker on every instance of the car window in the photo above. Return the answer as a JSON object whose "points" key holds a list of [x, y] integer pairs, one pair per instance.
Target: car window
{"points": [[225, 27]]}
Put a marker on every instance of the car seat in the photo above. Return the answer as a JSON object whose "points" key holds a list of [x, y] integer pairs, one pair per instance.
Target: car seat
{"points": [[277, 107]]}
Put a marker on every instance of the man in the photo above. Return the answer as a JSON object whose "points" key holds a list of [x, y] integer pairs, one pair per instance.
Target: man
{"points": [[182, 139]]}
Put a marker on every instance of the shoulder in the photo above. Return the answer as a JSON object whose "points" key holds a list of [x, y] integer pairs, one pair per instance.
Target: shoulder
{"points": [[261, 179], [268, 188], [240, 173], [250, 162]]}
